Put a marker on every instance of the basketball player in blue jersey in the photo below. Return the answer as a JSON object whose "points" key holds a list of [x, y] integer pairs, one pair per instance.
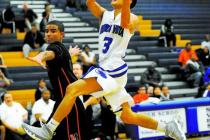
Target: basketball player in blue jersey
{"points": [[110, 77]]}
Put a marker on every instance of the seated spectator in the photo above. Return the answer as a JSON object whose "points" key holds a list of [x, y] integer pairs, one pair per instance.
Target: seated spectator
{"points": [[167, 36], [47, 16], [194, 71], [204, 56], [157, 92], [141, 95], [77, 70], [150, 90], [29, 16], [3, 67], [88, 58], [100, 118], [186, 54], [41, 87], [71, 3], [165, 95], [4, 82], [206, 43], [12, 116], [151, 77], [206, 93], [42, 109], [33, 41], [8, 19]]}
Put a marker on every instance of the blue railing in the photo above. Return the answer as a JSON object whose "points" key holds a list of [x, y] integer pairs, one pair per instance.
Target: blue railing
{"points": [[193, 115]]}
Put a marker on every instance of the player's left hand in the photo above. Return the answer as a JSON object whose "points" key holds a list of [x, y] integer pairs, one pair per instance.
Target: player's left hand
{"points": [[38, 59]]}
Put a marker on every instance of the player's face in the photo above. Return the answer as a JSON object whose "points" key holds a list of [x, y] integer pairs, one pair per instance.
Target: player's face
{"points": [[53, 34], [117, 4]]}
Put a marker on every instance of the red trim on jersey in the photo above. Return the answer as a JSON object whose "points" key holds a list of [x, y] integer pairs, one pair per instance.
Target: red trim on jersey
{"points": [[67, 121], [78, 125]]}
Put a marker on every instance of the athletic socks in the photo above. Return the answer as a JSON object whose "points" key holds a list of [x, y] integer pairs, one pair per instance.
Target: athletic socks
{"points": [[52, 124], [161, 127]]}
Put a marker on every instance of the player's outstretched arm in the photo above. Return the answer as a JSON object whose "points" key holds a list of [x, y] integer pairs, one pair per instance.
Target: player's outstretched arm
{"points": [[126, 12], [129, 20], [96, 9], [42, 57]]}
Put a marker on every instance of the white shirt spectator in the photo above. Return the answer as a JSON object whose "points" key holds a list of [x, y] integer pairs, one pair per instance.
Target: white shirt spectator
{"points": [[13, 115], [205, 44], [41, 107]]}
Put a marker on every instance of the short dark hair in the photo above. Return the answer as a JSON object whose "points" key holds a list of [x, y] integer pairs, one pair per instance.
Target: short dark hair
{"points": [[57, 23], [46, 4], [133, 4], [188, 43]]}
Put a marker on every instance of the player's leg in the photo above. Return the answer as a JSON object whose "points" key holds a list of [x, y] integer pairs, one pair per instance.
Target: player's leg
{"points": [[80, 87], [130, 117], [171, 129]]}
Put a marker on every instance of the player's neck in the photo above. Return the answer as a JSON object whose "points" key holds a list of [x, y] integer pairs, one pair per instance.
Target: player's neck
{"points": [[117, 12]]}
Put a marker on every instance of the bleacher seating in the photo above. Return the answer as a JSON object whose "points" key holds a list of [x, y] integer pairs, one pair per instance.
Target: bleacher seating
{"points": [[191, 21]]}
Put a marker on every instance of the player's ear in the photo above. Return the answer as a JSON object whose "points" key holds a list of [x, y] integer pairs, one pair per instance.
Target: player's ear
{"points": [[62, 34]]}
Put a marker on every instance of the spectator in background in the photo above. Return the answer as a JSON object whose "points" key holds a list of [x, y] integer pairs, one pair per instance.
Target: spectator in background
{"points": [[204, 56], [41, 87], [88, 58], [29, 15], [12, 116], [206, 43], [42, 109], [194, 71], [186, 54], [151, 77], [150, 90], [140, 95], [33, 41], [157, 92], [77, 70], [165, 95], [4, 82], [46, 17], [80, 4], [167, 35], [3, 67], [8, 19]]}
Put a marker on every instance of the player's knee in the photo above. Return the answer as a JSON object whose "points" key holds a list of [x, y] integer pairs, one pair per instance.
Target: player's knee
{"points": [[71, 90], [126, 116]]}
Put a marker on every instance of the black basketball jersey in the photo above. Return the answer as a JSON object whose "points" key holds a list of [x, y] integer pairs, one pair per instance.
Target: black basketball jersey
{"points": [[60, 72]]}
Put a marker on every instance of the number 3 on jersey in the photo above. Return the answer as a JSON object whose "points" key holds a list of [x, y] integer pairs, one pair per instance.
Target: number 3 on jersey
{"points": [[108, 42]]}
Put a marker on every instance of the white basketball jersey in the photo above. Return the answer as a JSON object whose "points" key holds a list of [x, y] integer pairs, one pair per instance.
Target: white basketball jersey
{"points": [[113, 42]]}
